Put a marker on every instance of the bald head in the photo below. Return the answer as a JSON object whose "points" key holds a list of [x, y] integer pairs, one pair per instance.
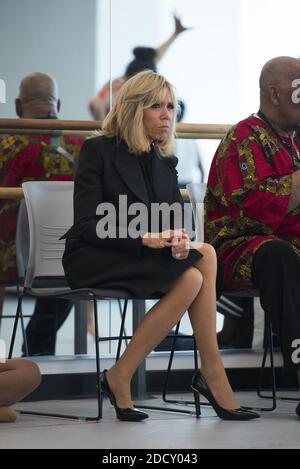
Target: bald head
{"points": [[278, 71], [38, 97], [279, 89]]}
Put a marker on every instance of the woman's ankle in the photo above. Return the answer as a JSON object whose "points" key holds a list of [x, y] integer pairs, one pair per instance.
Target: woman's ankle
{"points": [[118, 373]]}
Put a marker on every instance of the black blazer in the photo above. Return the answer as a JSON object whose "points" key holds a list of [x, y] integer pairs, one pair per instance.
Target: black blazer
{"points": [[106, 169]]}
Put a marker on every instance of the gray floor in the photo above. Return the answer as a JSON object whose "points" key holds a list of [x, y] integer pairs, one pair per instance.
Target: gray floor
{"points": [[274, 430], [278, 429]]}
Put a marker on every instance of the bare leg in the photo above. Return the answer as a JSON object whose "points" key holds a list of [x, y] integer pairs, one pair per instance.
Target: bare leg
{"points": [[17, 379], [152, 330], [202, 314]]}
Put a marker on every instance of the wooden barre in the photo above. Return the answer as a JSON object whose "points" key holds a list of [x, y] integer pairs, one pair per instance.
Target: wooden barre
{"points": [[88, 133], [17, 193], [11, 193], [84, 128], [50, 124]]}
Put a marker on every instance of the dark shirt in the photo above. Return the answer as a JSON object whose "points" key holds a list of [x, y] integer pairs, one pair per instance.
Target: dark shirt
{"points": [[145, 161]]}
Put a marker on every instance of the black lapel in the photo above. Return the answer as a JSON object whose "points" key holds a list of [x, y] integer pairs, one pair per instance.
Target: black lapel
{"points": [[129, 169]]}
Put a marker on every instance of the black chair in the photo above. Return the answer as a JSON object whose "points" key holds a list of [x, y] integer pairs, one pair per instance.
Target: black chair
{"points": [[22, 250]]}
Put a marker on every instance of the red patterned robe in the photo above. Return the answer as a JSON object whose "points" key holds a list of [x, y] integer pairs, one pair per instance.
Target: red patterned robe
{"points": [[247, 196], [28, 158]]}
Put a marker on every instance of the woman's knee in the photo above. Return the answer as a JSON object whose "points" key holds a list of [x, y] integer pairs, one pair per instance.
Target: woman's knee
{"points": [[193, 277], [209, 260]]}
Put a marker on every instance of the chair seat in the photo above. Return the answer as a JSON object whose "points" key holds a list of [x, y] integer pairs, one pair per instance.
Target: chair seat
{"points": [[242, 293], [85, 293]]}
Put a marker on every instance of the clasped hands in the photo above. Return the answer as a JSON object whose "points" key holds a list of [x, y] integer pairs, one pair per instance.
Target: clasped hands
{"points": [[178, 240]]}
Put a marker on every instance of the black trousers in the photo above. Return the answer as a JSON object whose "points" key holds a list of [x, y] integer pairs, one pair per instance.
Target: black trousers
{"points": [[48, 316], [276, 274]]}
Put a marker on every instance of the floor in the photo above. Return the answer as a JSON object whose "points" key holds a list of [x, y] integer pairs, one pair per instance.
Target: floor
{"points": [[274, 430], [163, 430]]}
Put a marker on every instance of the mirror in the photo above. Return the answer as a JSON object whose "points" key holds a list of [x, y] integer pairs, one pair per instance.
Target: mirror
{"points": [[214, 66]]}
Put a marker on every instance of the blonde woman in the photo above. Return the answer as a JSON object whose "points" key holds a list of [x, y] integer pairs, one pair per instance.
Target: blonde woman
{"points": [[132, 160], [18, 378]]}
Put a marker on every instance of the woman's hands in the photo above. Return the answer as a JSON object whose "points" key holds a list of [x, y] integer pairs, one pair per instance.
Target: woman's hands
{"points": [[178, 240], [181, 246]]}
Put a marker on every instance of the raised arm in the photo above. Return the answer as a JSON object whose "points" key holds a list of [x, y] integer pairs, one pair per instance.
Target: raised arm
{"points": [[179, 28]]}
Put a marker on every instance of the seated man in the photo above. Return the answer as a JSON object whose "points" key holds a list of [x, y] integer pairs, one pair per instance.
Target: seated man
{"points": [[253, 203], [34, 157]]}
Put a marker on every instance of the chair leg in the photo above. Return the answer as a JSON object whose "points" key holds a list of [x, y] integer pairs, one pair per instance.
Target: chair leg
{"points": [[269, 345], [196, 394], [122, 329], [99, 394], [97, 350], [121, 315], [164, 392], [23, 326], [18, 314], [2, 297]]}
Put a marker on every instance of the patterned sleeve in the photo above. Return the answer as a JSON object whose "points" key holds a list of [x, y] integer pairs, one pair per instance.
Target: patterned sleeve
{"points": [[253, 187]]}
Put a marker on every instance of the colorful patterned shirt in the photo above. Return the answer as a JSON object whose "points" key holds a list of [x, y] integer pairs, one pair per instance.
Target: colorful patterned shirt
{"points": [[248, 192], [29, 158]]}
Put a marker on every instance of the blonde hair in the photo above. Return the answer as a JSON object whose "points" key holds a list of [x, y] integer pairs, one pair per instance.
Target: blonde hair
{"points": [[125, 120]]}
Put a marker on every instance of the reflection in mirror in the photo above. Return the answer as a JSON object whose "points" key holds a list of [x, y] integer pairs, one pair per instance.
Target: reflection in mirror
{"points": [[214, 66]]}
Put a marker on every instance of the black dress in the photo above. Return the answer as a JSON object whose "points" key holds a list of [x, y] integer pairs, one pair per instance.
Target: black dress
{"points": [[116, 264]]}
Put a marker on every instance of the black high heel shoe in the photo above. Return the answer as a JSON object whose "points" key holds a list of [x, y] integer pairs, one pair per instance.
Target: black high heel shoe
{"points": [[200, 385], [128, 415]]}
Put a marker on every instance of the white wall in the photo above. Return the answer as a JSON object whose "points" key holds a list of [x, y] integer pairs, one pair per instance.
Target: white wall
{"points": [[52, 36], [133, 22], [215, 66], [269, 28], [202, 63]]}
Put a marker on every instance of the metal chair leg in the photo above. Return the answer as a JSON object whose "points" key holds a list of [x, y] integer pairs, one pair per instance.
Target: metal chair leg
{"points": [[269, 346], [164, 392], [98, 388], [172, 351], [196, 394], [22, 324], [121, 315], [122, 329], [18, 314], [97, 350]]}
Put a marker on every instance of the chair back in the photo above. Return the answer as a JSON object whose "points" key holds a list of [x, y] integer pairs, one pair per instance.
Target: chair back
{"points": [[196, 193], [49, 207]]}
